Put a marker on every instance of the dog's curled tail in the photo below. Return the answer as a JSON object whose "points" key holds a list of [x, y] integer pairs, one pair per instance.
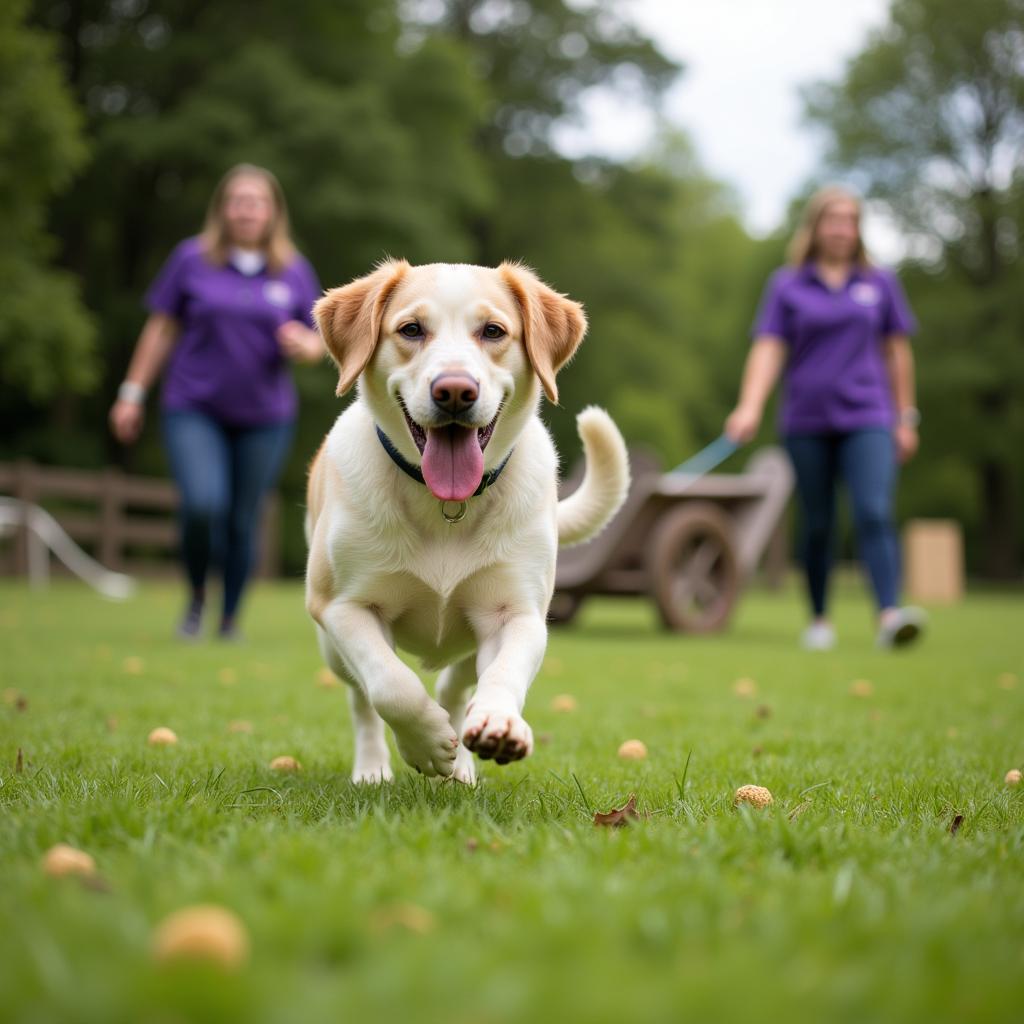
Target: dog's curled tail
{"points": [[591, 506]]}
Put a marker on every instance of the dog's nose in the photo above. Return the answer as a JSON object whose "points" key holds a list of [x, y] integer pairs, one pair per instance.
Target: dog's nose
{"points": [[454, 392]]}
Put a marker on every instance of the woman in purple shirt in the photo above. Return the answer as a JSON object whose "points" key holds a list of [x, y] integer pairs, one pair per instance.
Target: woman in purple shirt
{"points": [[228, 311], [837, 329]]}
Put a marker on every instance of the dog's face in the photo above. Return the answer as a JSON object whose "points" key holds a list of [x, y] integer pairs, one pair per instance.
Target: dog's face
{"points": [[450, 359]]}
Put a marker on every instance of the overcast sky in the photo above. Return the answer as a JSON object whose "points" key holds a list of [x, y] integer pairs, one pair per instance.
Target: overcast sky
{"points": [[738, 99]]}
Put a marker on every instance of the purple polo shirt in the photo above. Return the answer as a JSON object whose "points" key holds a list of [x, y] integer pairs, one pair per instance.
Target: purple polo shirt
{"points": [[227, 362], [835, 378]]}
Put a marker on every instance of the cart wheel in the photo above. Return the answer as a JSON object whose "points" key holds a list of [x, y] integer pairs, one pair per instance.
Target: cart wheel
{"points": [[691, 563], [563, 607]]}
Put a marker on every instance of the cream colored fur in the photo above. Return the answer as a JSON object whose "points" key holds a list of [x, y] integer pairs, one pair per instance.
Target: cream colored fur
{"points": [[386, 571]]}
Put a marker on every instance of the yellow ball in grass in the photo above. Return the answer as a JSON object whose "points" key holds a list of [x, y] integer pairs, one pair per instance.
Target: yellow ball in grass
{"points": [[204, 933], [744, 687], [1013, 777], [61, 860], [162, 737], [633, 750], [284, 763], [756, 796]]}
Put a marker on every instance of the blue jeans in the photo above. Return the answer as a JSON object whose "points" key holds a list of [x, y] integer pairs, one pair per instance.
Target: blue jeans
{"points": [[866, 461], [223, 474]]}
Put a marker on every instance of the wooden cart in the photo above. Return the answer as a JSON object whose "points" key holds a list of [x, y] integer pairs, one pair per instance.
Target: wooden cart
{"points": [[691, 543]]}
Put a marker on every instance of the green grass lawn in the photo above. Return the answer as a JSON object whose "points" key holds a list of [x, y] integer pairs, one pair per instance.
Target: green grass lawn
{"points": [[849, 900]]}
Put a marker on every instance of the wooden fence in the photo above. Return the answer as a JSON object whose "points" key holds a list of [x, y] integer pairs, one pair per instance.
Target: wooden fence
{"points": [[127, 523]]}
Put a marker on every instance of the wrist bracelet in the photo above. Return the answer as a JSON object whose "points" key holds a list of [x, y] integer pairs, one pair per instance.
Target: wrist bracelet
{"points": [[131, 391]]}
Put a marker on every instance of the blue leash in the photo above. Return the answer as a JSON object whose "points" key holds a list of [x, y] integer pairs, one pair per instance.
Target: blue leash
{"points": [[708, 458]]}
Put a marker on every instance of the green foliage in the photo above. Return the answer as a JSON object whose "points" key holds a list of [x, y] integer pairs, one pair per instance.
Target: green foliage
{"points": [[930, 118], [46, 337], [419, 130], [847, 901]]}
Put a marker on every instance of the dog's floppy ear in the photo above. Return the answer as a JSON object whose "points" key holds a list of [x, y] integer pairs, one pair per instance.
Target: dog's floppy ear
{"points": [[349, 319], [553, 325]]}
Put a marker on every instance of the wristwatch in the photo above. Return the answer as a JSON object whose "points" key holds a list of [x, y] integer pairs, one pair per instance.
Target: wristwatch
{"points": [[910, 417]]}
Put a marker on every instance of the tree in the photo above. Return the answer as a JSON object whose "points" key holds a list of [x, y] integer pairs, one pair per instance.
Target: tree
{"points": [[929, 117], [425, 136], [46, 336]]}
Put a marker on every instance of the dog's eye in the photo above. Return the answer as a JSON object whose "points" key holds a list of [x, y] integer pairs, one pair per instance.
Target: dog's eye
{"points": [[412, 330], [492, 332]]}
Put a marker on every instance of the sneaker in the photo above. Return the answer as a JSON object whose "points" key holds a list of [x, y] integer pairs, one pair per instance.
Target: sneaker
{"points": [[229, 632], [818, 636], [190, 626], [900, 627]]}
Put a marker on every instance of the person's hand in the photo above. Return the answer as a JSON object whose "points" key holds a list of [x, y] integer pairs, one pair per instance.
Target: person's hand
{"points": [[906, 442], [298, 342], [126, 419], [742, 424]]}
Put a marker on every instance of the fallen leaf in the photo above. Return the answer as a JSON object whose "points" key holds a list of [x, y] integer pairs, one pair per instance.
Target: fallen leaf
{"points": [[763, 711], [564, 702], [862, 688], [95, 883], [240, 725], [133, 665], [954, 827], [19, 763], [228, 676], [619, 816]]}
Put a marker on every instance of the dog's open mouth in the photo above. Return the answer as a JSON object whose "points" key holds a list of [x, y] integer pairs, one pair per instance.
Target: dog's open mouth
{"points": [[453, 456]]}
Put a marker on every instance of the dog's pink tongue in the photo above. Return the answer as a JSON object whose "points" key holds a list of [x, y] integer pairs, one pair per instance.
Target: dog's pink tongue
{"points": [[453, 464]]}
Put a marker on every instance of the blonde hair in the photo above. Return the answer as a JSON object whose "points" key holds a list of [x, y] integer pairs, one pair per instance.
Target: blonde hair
{"points": [[278, 245], [801, 247]]}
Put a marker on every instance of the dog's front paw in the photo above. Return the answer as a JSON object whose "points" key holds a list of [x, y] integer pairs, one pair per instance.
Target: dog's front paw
{"points": [[492, 732], [428, 742], [371, 773], [465, 770]]}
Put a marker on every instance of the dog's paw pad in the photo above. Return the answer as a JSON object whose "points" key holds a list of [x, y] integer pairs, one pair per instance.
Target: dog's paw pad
{"points": [[498, 735]]}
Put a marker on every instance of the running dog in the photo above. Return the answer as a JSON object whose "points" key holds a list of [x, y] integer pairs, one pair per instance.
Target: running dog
{"points": [[433, 518]]}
